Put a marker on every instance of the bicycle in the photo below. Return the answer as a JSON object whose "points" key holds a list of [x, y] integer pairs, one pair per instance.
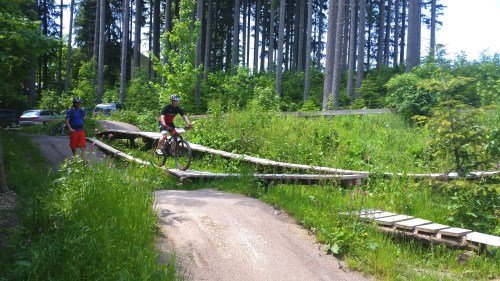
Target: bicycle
{"points": [[60, 129], [175, 146]]}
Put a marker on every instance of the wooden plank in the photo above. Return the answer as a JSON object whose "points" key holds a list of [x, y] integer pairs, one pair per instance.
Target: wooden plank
{"points": [[482, 238], [114, 151], [389, 221], [411, 224], [454, 231], [376, 215], [432, 228]]}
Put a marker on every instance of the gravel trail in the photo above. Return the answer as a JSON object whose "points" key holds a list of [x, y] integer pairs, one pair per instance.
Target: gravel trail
{"points": [[221, 236]]}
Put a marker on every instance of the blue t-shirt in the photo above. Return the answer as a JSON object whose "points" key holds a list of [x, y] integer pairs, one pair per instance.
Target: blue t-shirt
{"points": [[75, 116]]}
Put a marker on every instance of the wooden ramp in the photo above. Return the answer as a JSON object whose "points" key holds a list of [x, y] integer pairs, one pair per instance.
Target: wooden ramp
{"points": [[124, 134], [427, 230], [192, 174]]}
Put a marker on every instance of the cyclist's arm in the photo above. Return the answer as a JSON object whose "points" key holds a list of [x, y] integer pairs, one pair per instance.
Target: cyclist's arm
{"points": [[162, 120], [186, 120]]}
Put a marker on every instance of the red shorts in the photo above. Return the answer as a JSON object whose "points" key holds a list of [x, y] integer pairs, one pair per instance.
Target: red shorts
{"points": [[77, 139]]}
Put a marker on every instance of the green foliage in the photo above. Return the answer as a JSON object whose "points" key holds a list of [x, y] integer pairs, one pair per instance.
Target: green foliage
{"points": [[407, 98], [52, 100], [473, 205], [76, 221], [21, 41], [372, 90], [141, 95], [458, 137], [233, 91], [87, 86], [180, 73]]}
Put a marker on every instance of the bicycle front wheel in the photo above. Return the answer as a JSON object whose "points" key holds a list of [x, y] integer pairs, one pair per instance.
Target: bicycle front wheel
{"points": [[182, 155], [156, 158]]}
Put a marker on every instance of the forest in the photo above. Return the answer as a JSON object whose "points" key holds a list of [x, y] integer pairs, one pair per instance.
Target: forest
{"points": [[249, 67], [302, 55]]}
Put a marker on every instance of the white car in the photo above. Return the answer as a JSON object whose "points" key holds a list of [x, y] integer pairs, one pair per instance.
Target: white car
{"points": [[105, 108], [39, 116]]}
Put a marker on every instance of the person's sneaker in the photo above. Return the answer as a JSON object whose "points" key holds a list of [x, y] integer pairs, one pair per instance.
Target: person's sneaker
{"points": [[159, 151]]}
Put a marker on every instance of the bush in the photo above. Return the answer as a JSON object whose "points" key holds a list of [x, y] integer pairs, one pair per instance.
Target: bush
{"points": [[407, 98], [141, 95]]}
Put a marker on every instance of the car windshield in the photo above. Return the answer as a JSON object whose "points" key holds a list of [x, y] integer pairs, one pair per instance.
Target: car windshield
{"points": [[30, 113]]}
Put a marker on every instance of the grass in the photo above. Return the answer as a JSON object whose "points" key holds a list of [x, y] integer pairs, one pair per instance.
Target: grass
{"points": [[380, 143], [76, 225]]}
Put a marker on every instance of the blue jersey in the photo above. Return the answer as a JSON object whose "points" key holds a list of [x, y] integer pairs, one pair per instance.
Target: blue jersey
{"points": [[75, 117]]}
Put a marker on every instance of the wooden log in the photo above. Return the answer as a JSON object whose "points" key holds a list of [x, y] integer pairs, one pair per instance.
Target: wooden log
{"points": [[116, 152], [267, 162]]}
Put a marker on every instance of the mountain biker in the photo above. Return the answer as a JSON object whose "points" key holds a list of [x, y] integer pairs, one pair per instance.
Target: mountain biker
{"points": [[167, 120], [74, 121]]}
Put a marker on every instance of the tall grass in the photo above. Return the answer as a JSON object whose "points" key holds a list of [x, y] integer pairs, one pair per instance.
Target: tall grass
{"points": [[378, 143], [83, 222]]}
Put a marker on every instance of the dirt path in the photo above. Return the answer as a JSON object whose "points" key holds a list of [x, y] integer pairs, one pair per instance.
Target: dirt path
{"points": [[220, 236], [56, 148]]}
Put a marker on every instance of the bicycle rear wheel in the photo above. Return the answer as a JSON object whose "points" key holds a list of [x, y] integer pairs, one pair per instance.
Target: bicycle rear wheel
{"points": [[156, 158], [182, 155]]}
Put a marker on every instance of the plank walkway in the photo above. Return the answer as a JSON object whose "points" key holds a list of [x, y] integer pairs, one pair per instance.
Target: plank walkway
{"points": [[193, 174], [124, 134], [427, 230]]}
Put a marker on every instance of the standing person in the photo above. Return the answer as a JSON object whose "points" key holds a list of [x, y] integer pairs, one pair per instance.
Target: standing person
{"points": [[74, 121], [167, 120]]}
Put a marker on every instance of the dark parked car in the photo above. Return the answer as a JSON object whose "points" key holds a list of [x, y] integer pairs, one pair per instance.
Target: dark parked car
{"points": [[9, 118], [39, 116]]}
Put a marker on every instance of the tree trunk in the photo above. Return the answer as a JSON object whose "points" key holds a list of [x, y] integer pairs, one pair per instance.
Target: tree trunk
{"points": [[352, 50], [413, 48], [361, 47], [380, 37], [265, 36], [396, 34], [387, 33], [150, 40], [168, 20], [156, 32], [235, 53], [330, 49], [68, 52], [244, 35], [337, 66], [249, 28], [433, 29], [197, 91], [97, 26], [59, 65], [256, 39], [137, 34], [320, 34], [300, 50], [123, 74], [279, 61], [403, 33], [345, 35], [307, 77], [102, 43], [208, 46], [272, 8]]}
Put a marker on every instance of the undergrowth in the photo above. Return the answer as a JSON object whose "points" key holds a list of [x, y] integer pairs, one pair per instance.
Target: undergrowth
{"points": [[82, 222]]}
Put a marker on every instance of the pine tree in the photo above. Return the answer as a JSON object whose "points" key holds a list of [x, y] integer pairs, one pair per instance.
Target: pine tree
{"points": [[307, 77]]}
